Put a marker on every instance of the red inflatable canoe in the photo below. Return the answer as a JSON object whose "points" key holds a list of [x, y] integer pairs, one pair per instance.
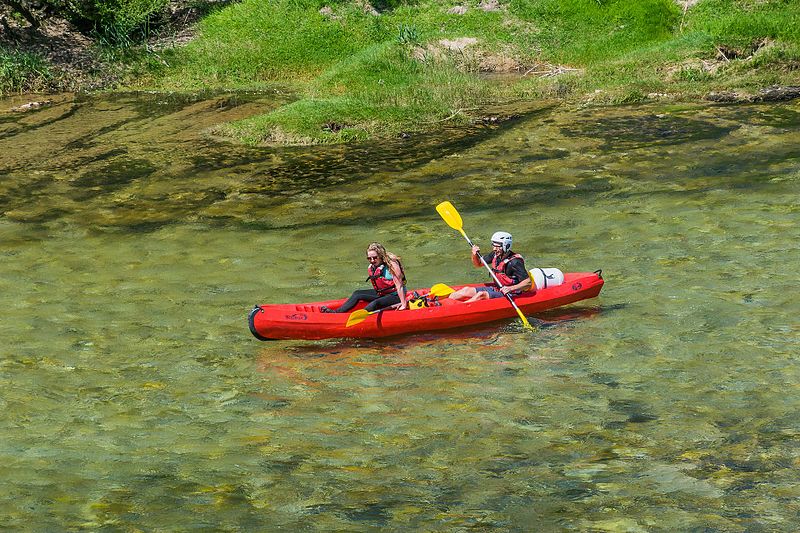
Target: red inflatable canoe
{"points": [[305, 321]]}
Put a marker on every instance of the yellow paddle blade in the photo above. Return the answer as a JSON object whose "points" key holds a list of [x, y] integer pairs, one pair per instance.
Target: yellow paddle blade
{"points": [[357, 317], [440, 289], [448, 212]]}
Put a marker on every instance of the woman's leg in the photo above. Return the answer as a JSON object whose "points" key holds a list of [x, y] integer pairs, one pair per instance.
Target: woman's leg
{"points": [[383, 301], [365, 295]]}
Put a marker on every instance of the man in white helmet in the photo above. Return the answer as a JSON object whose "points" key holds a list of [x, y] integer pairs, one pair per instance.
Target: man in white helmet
{"points": [[507, 265]]}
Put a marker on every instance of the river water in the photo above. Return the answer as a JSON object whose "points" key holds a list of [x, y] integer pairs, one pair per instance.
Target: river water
{"points": [[134, 397]]}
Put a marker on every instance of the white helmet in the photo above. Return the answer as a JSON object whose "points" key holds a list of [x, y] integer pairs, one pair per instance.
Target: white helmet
{"points": [[503, 239]]}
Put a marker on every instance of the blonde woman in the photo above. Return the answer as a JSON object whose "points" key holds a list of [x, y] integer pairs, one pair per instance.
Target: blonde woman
{"points": [[385, 272]]}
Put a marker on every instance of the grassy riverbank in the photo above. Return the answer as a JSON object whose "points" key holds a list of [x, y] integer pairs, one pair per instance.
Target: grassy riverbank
{"points": [[358, 72], [361, 73]]}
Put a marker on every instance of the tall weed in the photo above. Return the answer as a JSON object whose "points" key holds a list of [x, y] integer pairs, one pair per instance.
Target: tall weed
{"points": [[22, 72], [120, 23]]}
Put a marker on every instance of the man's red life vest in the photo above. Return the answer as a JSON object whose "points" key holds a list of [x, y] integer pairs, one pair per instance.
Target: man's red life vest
{"points": [[378, 276], [499, 269]]}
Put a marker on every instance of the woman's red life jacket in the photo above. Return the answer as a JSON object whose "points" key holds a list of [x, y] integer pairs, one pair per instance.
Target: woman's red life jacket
{"points": [[499, 269], [381, 278]]}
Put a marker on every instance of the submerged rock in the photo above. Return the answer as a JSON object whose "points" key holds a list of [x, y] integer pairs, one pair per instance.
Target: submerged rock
{"points": [[770, 94], [778, 94], [30, 106]]}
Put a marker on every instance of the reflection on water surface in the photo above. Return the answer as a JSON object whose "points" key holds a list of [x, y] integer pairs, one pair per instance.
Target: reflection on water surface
{"points": [[134, 396]]}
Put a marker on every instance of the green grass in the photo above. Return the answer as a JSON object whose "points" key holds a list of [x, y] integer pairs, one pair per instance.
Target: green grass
{"points": [[359, 75], [257, 41], [589, 31], [746, 20], [22, 72], [395, 94]]}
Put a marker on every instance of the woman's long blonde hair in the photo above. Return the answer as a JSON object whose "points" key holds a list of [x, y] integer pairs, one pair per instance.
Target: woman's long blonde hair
{"points": [[386, 257]]}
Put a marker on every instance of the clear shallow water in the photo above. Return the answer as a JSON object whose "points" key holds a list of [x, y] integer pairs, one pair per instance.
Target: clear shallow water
{"points": [[134, 396]]}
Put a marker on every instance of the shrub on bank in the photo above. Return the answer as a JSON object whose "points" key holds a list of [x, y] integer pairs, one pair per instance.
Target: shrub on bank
{"points": [[115, 22]]}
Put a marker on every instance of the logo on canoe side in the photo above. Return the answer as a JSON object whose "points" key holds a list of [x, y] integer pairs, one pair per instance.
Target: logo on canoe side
{"points": [[577, 286], [297, 316]]}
